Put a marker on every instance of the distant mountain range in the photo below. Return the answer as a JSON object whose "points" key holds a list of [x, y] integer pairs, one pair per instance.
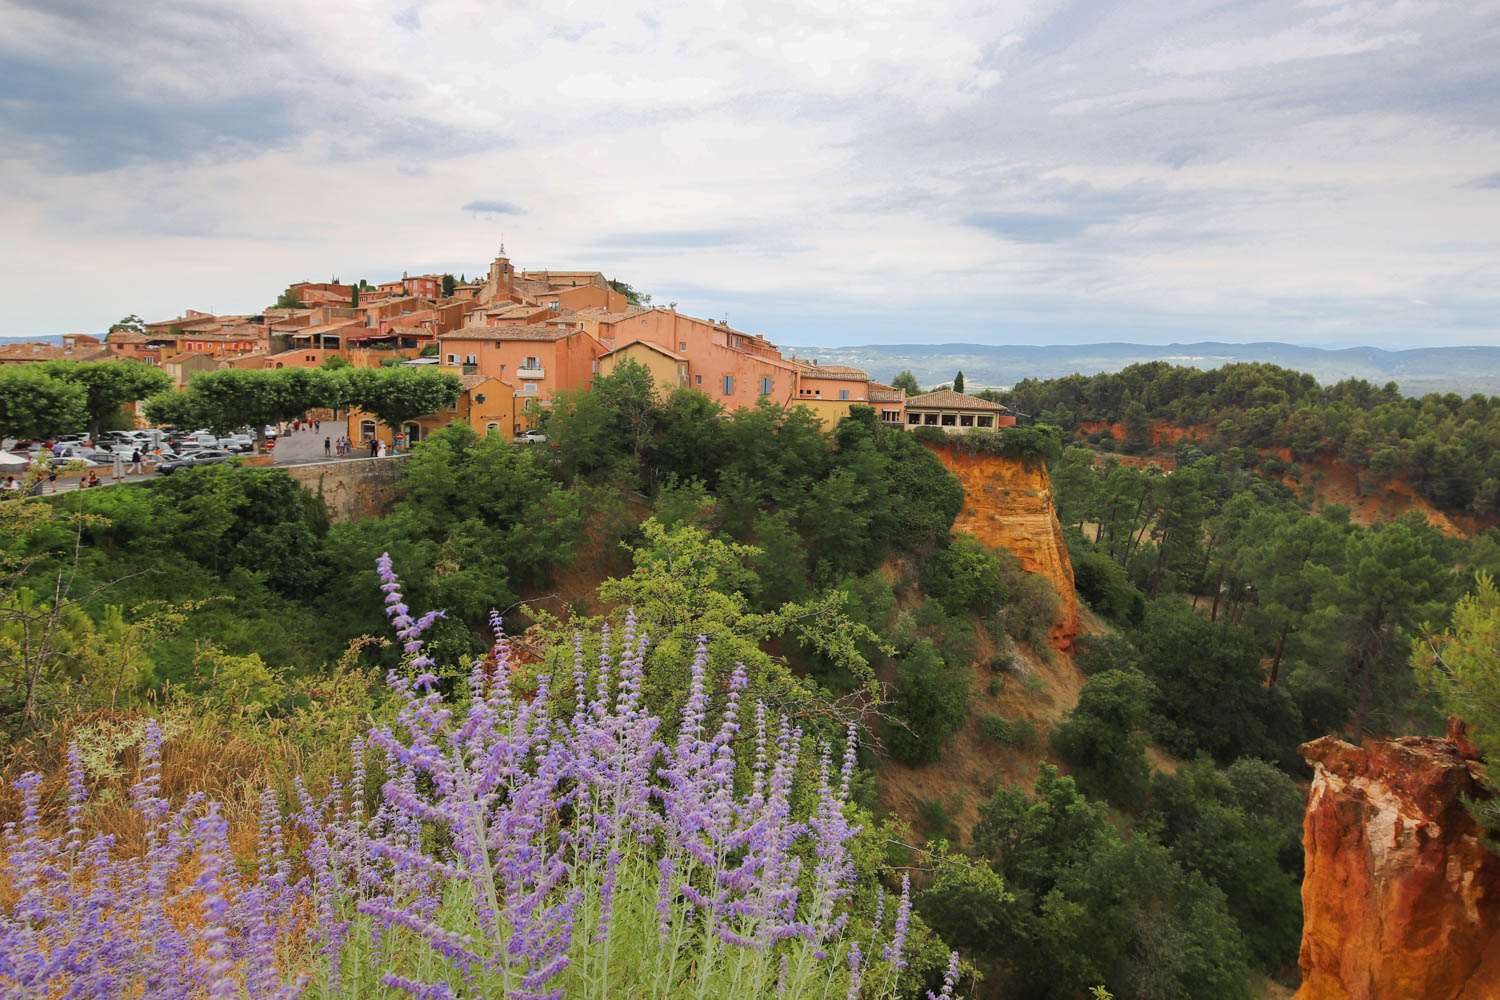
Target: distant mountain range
{"points": [[1463, 370]]}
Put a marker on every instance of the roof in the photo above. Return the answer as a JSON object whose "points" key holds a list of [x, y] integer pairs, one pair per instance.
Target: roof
{"points": [[843, 372], [602, 315], [647, 344], [33, 351], [182, 356], [947, 399], [885, 395], [532, 332]]}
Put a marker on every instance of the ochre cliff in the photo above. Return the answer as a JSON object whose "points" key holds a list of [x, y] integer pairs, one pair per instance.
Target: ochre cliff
{"points": [[1401, 900], [1008, 504]]}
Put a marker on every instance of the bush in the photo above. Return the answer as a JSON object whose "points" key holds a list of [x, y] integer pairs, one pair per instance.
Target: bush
{"points": [[1103, 585], [1094, 654], [1104, 737], [1018, 734], [930, 707], [967, 577]]}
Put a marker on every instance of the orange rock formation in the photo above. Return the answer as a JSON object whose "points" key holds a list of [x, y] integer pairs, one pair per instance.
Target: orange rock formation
{"points": [[1009, 505], [1401, 900]]}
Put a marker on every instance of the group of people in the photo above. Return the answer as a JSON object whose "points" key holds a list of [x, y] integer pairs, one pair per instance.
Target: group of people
{"points": [[343, 446]]}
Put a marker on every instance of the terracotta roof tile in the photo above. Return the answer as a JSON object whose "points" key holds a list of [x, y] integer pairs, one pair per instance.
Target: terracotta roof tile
{"points": [[947, 399]]}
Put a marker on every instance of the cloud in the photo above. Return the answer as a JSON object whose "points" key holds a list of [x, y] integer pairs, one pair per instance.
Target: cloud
{"points": [[1189, 168], [494, 207], [680, 239], [1026, 227]]}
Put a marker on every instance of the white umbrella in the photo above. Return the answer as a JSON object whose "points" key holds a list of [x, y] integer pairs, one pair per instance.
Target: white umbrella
{"points": [[9, 460]]}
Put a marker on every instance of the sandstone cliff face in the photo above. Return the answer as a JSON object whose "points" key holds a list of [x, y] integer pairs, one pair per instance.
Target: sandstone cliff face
{"points": [[1008, 505], [1401, 900]]}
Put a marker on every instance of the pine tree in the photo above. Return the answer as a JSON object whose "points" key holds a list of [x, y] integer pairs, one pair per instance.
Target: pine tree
{"points": [[958, 382]]}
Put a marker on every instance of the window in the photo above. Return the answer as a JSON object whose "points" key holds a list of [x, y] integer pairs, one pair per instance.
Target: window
{"points": [[681, 344], [914, 418], [765, 385], [532, 363], [729, 385], [843, 394], [986, 421], [698, 379], [950, 420], [929, 419], [529, 388], [643, 322], [453, 359], [966, 420], [470, 359], [556, 306]]}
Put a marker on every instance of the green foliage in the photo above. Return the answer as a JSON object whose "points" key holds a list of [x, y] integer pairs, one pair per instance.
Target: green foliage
{"points": [[1212, 828], [1461, 667], [448, 285], [967, 577], [287, 300], [1017, 734], [1209, 688], [906, 380], [230, 398], [108, 385], [1105, 587], [1092, 905], [930, 707], [35, 405], [392, 395], [958, 382], [1103, 737]]}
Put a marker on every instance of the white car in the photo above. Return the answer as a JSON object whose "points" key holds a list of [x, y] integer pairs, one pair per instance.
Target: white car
{"points": [[531, 437]]}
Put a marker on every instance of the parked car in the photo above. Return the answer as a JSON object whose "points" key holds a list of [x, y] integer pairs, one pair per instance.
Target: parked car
{"points": [[238, 445], [531, 437], [205, 456]]}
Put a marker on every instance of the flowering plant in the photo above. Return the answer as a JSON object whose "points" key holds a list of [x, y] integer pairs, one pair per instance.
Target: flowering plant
{"points": [[552, 846]]}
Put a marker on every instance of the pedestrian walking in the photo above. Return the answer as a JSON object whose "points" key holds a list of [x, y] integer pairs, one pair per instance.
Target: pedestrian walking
{"points": [[380, 452], [52, 479], [317, 426], [328, 446], [372, 447], [135, 462], [117, 471]]}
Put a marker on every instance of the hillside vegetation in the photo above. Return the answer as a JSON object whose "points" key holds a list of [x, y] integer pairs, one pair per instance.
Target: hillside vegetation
{"points": [[703, 608]]}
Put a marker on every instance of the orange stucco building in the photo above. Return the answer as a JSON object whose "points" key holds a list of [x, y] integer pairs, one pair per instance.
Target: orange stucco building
{"points": [[486, 405]]}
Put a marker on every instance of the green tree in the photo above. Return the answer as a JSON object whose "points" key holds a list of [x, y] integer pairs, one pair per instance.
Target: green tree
{"points": [[130, 324], [1104, 737], [108, 385], [906, 380], [448, 285], [1462, 667], [288, 300], [958, 382], [35, 405], [239, 397], [397, 395], [930, 707]]}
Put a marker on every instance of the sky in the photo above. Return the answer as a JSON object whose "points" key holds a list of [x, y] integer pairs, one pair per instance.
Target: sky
{"points": [[822, 172]]}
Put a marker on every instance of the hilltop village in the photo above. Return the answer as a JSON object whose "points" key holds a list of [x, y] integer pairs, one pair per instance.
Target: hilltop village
{"points": [[516, 340]]}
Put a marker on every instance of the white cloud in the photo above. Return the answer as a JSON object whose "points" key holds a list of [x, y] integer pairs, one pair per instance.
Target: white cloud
{"points": [[1209, 166]]}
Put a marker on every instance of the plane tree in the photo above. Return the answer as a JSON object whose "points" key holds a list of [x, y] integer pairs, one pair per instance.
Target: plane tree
{"points": [[108, 385]]}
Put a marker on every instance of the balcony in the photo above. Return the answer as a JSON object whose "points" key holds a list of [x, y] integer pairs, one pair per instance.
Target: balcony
{"points": [[531, 373]]}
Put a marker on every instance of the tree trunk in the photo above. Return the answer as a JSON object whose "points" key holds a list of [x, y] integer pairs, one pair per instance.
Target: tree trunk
{"points": [[1161, 557], [1213, 615], [1280, 648]]}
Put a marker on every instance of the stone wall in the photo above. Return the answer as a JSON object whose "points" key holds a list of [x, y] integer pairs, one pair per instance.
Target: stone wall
{"points": [[353, 488]]}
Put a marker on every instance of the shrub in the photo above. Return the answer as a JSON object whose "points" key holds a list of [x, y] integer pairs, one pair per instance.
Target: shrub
{"points": [[1104, 737], [967, 577], [931, 705], [1018, 734], [463, 882], [1103, 585]]}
